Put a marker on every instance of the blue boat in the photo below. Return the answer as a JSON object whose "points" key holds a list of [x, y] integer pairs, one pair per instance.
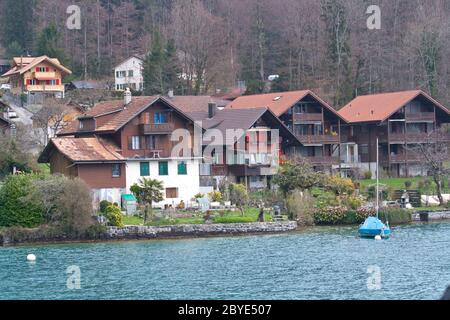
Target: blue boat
{"points": [[374, 227]]}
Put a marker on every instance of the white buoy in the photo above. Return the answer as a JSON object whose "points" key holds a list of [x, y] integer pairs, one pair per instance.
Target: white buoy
{"points": [[31, 257], [377, 237]]}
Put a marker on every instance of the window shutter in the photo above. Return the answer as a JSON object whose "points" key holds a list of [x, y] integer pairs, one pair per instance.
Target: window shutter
{"points": [[37, 69], [47, 69], [130, 143]]}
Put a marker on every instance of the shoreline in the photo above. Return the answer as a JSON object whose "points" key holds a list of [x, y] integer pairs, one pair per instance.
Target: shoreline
{"points": [[179, 232], [174, 232]]}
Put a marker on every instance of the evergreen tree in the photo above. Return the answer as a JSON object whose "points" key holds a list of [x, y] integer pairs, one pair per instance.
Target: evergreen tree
{"points": [[161, 68], [16, 23], [48, 43], [172, 68]]}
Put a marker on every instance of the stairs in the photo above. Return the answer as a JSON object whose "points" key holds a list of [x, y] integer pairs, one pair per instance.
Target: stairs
{"points": [[414, 197]]}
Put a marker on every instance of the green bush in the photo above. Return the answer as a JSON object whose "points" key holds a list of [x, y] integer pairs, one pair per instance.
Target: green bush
{"points": [[104, 205], [16, 209], [330, 215], [368, 175], [114, 216], [215, 196], [395, 215], [300, 207], [408, 184]]}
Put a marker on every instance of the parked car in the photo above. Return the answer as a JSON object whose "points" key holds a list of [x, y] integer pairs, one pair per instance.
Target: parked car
{"points": [[6, 87]]}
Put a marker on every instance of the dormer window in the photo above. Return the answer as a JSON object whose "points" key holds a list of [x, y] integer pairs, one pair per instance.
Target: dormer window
{"points": [[277, 98]]}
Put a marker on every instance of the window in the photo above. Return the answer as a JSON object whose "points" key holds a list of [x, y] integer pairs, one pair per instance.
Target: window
{"points": [[171, 193], [152, 142], [130, 73], [81, 125], [145, 169], [182, 168], [121, 74], [364, 149], [163, 168], [41, 69], [159, 118], [135, 143], [116, 170]]}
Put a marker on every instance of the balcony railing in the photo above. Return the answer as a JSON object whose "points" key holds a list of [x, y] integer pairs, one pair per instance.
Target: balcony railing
{"points": [[157, 128], [420, 116], [413, 137], [319, 139], [45, 75], [308, 117], [324, 160], [45, 87], [402, 157]]}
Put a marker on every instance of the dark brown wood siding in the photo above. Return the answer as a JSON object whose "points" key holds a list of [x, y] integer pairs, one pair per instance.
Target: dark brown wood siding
{"points": [[100, 176]]}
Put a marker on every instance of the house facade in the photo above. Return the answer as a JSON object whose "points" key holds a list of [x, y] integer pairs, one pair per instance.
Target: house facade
{"points": [[242, 146], [37, 75], [315, 124], [400, 121], [129, 74], [118, 142]]}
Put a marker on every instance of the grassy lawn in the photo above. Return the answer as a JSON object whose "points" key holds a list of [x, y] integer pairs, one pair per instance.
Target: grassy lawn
{"points": [[399, 184], [250, 215]]}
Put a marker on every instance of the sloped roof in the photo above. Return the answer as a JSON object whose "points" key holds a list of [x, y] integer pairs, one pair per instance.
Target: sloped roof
{"points": [[137, 56], [196, 103], [379, 107], [123, 114], [235, 119], [22, 65], [93, 149], [88, 84], [4, 120], [278, 103]]}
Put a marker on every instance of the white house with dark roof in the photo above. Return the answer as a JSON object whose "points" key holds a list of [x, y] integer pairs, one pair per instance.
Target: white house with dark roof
{"points": [[129, 74]]}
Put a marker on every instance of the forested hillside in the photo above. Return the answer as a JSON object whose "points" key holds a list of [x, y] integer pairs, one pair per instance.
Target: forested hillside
{"points": [[324, 45]]}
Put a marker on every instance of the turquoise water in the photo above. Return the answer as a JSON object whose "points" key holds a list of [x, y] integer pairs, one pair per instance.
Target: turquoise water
{"points": [[321, 263]]}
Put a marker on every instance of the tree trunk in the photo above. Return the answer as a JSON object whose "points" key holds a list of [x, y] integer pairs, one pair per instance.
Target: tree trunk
{"points": [[242, 210], [438, 183], [145, 213]]}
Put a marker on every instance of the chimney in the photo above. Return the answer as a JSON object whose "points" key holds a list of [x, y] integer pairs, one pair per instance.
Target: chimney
{"points": [[127, 97], [170, 94], [212, 109]]}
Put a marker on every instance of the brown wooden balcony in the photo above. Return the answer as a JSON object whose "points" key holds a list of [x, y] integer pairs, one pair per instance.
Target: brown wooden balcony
{"points": [[319, 139], [308, 117], [421, 116], [413, 137], [157, 128], [324, 160], [405, 157]]}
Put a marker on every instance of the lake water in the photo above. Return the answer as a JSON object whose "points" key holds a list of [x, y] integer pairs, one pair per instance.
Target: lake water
{"points": [[321, 263]]}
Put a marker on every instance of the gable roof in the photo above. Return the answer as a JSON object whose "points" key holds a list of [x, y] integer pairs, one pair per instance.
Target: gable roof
{"points": [[137, 56], [235, 119], [92, 149], [279, 103], [88, 84], [379, 107], [123, 115], [196, 103], [22, 65]]}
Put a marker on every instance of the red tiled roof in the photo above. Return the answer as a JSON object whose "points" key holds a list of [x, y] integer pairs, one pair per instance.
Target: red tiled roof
{"points": [[83, 149], [30, 62], [278, 103], [379, 107]]}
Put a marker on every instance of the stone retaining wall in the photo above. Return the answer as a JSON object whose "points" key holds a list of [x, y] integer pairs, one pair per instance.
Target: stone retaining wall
{"points": [[141, 232], [431, 216]]}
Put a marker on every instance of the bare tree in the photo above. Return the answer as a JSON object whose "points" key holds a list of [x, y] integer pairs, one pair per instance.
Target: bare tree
{"points": [[435, 153], [51, 118]]}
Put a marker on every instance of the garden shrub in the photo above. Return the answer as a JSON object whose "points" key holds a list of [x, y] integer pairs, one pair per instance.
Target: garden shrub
{"points": [[408, 184], [300, 207], [395, 215], [340, 186], [329, 216], [215, 196], [104, 205], [324, 198], [368, 175], [16, 209], [114, 216]]}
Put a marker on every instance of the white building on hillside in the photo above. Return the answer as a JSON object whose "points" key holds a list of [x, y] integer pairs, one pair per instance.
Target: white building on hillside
{"points": [[129, 74]]}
